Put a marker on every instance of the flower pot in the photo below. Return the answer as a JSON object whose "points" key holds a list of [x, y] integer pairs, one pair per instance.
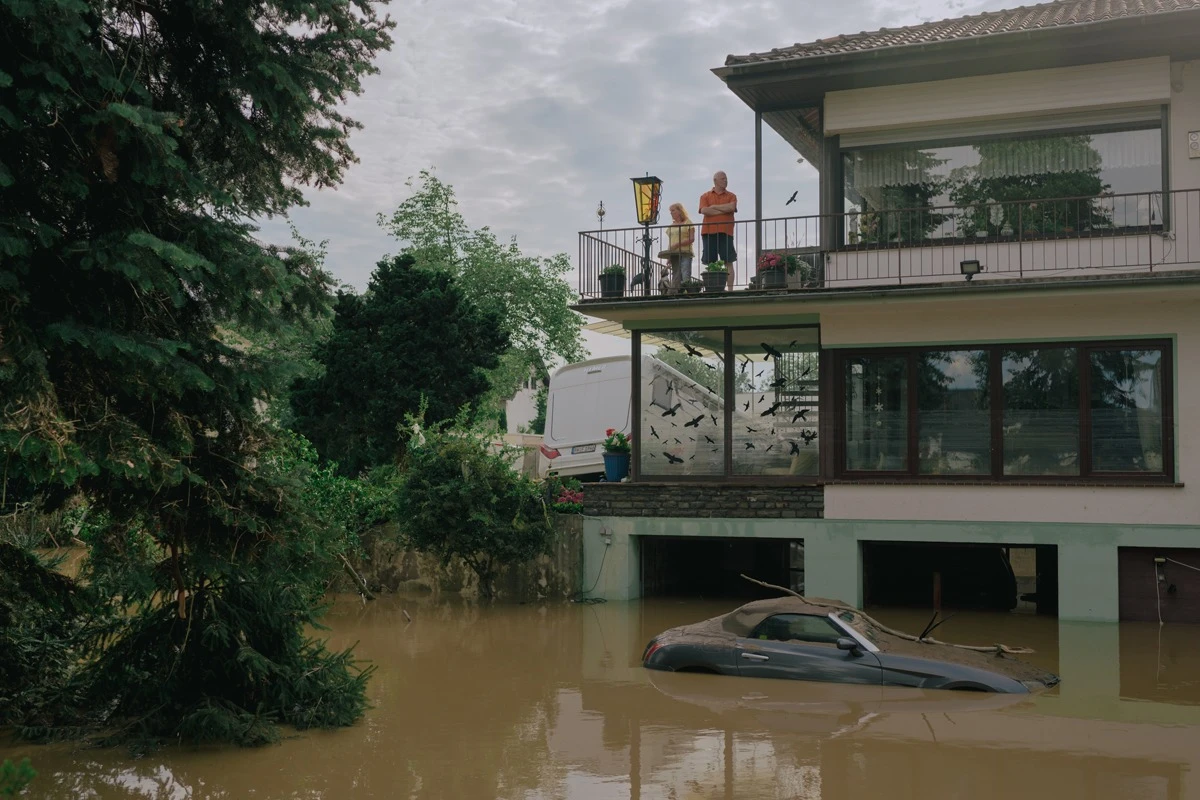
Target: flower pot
{"points": [[616, 466], [773, 279], [692, 289], [612, 284], [715, 281]]}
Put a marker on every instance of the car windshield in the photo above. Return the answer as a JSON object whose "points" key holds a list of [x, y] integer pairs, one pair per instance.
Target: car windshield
{"points": [[798, 627]]}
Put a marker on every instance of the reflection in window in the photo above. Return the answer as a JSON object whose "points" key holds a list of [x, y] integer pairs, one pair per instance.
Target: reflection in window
{"points": [[798, 628], [775, 411], [1127, 410], [953, 417], [907, 193], [876, 413], [1041, 411], [683, 422]]}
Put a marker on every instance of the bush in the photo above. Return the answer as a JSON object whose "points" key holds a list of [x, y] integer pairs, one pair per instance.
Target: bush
{"points": [[458, 497]]}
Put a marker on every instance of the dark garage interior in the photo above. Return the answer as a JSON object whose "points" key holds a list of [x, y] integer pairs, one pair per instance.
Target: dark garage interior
{"points": [[1158, 583], [687, 566], [960, 576]]}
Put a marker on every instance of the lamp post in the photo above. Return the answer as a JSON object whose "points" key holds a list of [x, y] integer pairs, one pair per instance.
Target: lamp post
{"points": [[647, 192], [600, 212]]}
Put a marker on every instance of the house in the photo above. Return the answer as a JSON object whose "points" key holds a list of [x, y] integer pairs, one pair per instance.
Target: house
{"points": [[988, 343]]}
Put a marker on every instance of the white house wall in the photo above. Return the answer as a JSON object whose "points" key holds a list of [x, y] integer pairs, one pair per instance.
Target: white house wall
{"points": [[1030, 93], [1021, 318], [1185, 117]]}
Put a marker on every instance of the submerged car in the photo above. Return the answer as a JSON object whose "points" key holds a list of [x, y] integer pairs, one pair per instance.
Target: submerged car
{"points": [[788, 637]]}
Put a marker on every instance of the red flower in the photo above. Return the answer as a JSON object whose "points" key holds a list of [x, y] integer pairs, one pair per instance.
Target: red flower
{"points": [[608, 432]]}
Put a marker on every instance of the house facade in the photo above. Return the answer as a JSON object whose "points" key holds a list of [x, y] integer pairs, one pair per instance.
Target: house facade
{"points": [[976, 379]]}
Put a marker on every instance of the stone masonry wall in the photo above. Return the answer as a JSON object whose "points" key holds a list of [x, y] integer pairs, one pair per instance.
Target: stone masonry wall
{"points": [[702, 500]]}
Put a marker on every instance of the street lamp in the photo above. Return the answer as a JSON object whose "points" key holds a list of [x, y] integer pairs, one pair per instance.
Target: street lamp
{"points": [[647, 192]]}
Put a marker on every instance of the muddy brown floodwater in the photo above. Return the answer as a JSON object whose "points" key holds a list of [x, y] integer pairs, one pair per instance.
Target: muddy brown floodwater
{"points": [[550, 702]]}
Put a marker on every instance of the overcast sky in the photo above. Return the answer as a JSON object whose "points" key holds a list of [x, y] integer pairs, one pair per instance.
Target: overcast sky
{"points": [[536, 110]]}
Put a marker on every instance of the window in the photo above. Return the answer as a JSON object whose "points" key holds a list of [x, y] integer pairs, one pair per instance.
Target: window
{"points": [[738, 404], [876, 409], [682, 416], [953, 412], [799, 628], [1041, 411], [1033, 412], [984, 188], [775, 403]]}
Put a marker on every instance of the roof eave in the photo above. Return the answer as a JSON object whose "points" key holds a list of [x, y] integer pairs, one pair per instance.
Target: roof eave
{"points": [[997, 41]]}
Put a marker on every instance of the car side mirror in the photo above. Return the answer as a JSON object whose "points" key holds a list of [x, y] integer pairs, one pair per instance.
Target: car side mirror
{"points": [[850, 646]]}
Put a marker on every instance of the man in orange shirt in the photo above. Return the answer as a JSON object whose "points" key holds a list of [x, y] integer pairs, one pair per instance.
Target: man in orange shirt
{"points": [[718, 206]]}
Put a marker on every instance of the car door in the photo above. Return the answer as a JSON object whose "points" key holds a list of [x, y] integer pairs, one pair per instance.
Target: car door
{"points": [[803, 647]]}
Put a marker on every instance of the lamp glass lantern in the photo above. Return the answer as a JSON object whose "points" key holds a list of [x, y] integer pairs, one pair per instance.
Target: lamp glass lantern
{"points": [[647, 192], [970, 268]]}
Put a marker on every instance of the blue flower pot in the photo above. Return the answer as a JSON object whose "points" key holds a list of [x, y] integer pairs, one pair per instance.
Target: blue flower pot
{"points": [[616, 466]]}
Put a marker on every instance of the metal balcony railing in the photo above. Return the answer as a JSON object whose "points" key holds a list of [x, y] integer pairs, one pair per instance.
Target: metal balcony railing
{"points": [[1151, 232]]}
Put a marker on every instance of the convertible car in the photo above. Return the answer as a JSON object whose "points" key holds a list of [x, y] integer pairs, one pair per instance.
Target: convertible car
{"points": [[789, 638]]}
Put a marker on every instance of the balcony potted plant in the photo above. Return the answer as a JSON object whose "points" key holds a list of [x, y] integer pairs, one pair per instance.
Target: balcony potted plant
{"points": [[772, 271], [715, 276], [612, 281], [692, 285], [616, 455], [801, 273]]}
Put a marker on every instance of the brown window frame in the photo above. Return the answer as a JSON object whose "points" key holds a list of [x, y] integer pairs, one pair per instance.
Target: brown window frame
{"points": [[911, 473]]}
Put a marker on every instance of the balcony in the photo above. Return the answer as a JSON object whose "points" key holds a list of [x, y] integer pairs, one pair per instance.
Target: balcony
{"points": [[1058, 238]]}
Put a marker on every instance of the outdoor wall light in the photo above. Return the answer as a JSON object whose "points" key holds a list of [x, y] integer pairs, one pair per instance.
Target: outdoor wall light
{"points": [[970, 268], [647, 192]]}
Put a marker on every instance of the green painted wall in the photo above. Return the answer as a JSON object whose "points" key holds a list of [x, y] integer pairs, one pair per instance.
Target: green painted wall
{"points": [[1087, 554]]}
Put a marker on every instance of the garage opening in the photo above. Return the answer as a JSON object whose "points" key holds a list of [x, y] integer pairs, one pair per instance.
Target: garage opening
{"points": [[693, 566], [1158, 584], [961, 576]]}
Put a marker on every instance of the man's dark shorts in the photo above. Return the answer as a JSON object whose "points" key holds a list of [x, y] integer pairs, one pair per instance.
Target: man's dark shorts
{"points": [[717, 247]]}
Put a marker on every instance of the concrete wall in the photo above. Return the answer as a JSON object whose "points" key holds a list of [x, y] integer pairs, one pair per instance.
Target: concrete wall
{"points": [[388, 567]]}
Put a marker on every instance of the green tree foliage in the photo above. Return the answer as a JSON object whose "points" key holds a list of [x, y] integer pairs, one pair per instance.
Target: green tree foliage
{"points": [[461, 498], [15, 777], [529, 294], [413, 335], [1010, 170], [137, 142]]}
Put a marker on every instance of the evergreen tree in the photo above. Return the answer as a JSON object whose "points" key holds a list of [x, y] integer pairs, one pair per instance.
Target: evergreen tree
{"points": [[138, 141], [413, 334], [529, 293]]}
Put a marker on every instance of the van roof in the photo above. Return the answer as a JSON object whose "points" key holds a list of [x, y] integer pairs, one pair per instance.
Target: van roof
{"points": [[591, 362]]}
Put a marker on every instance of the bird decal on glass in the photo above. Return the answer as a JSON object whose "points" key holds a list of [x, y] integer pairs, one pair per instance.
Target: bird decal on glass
{"points": [[672, 459], [801, 414], [771, 351], [694, 423], [653, 432], [770, 412], [792, 199], [670, 412]]}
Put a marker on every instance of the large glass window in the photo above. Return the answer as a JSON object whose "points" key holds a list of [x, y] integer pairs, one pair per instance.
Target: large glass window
{"points": [[1097, 182], [683, 416], [876, 407], [1127, 410], [775, 402], [1041, 411], [953, 412], [1001, 411]]}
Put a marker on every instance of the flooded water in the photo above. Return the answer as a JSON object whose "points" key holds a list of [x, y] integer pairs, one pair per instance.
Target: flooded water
{"points": [[550, 702]]}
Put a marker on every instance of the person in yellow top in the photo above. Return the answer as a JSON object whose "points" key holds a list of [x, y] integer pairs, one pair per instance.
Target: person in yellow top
{"points": [[718, 206], [681, 239]]}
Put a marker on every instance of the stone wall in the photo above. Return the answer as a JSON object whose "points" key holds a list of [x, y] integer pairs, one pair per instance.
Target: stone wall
{"points": [[702, 500], [388, 567]]}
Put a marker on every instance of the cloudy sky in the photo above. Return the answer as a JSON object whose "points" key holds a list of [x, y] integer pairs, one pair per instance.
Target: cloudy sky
{"points": [[536, 110]]}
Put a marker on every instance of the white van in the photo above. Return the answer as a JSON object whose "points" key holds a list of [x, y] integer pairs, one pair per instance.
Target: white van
{"points": [[583, 401], [586, 399]]}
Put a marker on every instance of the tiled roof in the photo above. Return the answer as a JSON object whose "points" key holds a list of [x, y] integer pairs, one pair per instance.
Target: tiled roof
{"points": [[1026, 18]]}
